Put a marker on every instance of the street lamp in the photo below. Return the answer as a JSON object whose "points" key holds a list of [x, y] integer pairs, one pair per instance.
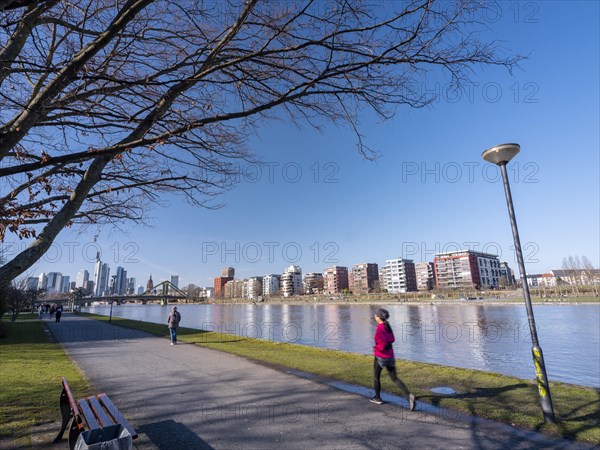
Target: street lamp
{"points": [[501, 155]]}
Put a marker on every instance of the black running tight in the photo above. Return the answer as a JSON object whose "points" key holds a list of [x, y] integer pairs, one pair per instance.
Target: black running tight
{"points": [[392, 372]]}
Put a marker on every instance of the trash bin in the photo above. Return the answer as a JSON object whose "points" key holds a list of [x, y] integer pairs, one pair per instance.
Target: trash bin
{"points": [[113, 437]]}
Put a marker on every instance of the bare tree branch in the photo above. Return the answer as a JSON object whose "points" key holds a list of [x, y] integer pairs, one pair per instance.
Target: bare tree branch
{"points": [[92, 96]]}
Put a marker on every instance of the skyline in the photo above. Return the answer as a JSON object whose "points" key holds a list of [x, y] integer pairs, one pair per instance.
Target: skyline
{"points": [[429, 189], [141, 281]]}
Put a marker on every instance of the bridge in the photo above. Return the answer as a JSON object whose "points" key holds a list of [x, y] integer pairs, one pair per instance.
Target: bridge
{"points": [[168, 292]]}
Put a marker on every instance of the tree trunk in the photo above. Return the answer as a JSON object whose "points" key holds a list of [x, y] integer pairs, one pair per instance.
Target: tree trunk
{"points": [[36, 250]]}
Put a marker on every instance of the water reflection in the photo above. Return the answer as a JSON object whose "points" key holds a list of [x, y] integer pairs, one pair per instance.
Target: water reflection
{"points": [[485, 337]]}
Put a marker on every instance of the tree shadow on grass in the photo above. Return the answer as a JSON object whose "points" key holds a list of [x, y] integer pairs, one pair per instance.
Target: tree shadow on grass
{"points": [[570, 424], [479, 393], [435, 399], [584, 417]]}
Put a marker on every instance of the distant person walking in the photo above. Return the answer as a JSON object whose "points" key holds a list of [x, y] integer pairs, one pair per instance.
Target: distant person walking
{"points": [[384, 357], [59, 312], [173, 321]]}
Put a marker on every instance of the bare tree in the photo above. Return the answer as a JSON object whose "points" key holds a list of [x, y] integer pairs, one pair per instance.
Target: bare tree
{"points": [[17, 297], [107, 105], [572, 268], [591, 274]]}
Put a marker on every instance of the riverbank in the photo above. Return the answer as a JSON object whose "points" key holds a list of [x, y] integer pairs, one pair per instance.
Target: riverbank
{"points": [[319, 300], [496, 397]]}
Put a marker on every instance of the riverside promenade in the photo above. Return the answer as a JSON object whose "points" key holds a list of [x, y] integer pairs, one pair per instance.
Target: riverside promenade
{"points": [[187, 397]]}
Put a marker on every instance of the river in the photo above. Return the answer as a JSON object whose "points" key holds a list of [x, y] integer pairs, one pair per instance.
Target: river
{"points": [[490, 337]]}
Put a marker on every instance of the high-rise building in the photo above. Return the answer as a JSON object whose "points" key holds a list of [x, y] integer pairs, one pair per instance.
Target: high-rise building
{"points": [[130, 286], [42, 281], [228, 272], [336, 279], [399, 276], [54, 282], [291, 281], [112, 285], [314, 283], [120, 281], [271, 284], [175, 280], [425, 276], [101, 277], [32, 283], [363, 278], [89, 287], [466, 269], [65, 283], [82, 278]]}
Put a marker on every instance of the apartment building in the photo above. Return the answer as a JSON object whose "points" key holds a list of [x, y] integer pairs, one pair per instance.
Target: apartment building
{"points": [[466, 269], [507, 275], [314, 283], [253, 288], [364, 278], [219, 286], [399, 276], [234, 289], [271, 284], [291, 281], [425, 276], [336, 279], [574, 277], [541, 280]]}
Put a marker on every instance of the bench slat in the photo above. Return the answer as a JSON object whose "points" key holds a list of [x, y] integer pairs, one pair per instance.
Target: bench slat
{"points": [[88, 414], [116, 414], [104, 419]]}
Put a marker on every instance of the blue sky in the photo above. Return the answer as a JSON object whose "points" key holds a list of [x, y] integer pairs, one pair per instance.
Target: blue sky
{"points": [[318, 203]]}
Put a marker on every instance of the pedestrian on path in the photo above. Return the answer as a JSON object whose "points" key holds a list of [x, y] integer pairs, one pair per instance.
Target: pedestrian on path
{"points": [[384, 357], [173, 321], [59, 311]]}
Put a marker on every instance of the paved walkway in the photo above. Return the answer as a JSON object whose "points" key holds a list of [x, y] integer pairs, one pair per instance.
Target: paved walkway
{"points": [[187, 397]]}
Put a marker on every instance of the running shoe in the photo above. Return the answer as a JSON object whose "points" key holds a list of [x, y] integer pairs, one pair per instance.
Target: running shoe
{"points": [[412, 402]]}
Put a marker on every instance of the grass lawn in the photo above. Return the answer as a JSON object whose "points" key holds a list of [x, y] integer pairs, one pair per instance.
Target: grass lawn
{"points": [[31, 367], [489, 395]]}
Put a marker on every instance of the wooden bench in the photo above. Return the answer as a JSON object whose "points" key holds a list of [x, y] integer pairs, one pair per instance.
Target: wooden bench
{"points": [[89, 413]]}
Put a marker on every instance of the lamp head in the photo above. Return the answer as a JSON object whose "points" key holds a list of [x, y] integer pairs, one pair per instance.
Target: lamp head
{"points": [[501, 154]]}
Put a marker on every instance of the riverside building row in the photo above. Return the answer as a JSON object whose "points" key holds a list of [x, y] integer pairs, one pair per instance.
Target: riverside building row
{"points": [[452, 270]]}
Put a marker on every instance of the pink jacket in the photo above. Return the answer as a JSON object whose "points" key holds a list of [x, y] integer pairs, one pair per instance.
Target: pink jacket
{"points": [[383, 342]]}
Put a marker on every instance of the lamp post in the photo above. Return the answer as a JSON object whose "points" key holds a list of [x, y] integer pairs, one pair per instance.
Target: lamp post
{"points": [[501, 155]]}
